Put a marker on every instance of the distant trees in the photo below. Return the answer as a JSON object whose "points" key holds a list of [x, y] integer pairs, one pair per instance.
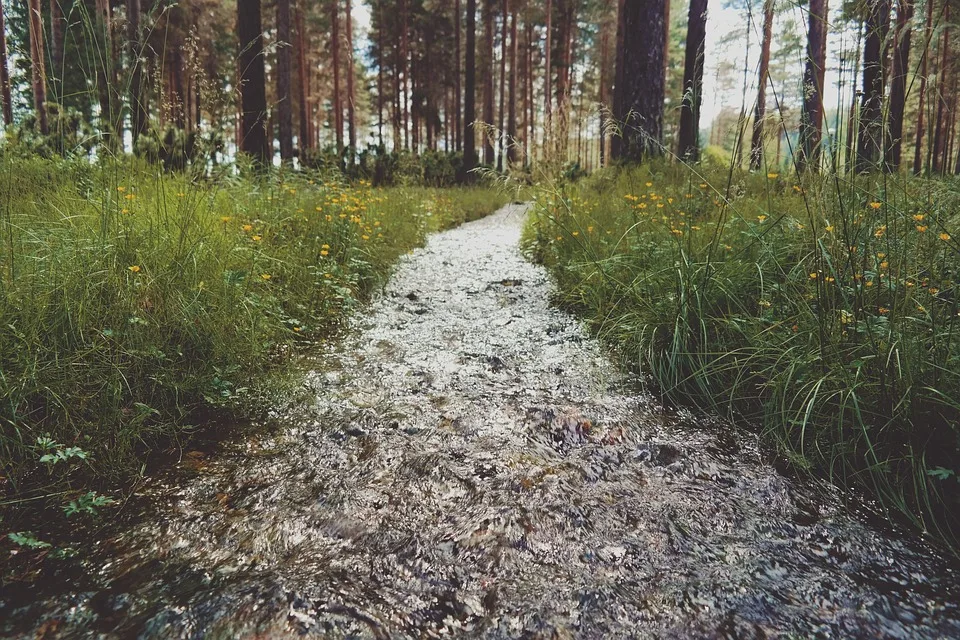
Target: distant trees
{"points": [[506, 82]]}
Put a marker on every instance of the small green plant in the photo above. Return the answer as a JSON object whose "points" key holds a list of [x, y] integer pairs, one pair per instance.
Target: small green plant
{"points": [[27, 540], [87, 504], [53, 453]]}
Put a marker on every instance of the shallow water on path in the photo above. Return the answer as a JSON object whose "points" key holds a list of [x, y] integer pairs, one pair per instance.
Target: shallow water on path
{"points": [[472, 464]]}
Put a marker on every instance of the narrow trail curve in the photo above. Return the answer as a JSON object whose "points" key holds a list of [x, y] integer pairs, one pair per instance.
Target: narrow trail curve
{"points": [[475, 466]]}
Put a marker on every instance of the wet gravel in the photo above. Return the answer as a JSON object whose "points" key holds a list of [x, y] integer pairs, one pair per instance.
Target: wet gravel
{"points": [[472, 464]]}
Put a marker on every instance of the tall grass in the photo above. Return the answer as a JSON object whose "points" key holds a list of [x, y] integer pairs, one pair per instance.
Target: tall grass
{"points": [[132, 301], [823, 313]]}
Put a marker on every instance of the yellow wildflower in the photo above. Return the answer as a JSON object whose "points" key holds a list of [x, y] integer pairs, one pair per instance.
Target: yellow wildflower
{"points": [[875, 205], [135, 268]]}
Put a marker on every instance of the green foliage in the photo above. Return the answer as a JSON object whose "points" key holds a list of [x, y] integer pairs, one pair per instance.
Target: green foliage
{"points": [[132, 300], [824, 313]]}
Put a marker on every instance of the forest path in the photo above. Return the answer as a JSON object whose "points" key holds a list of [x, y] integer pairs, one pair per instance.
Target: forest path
{"points": [[471, 463]]}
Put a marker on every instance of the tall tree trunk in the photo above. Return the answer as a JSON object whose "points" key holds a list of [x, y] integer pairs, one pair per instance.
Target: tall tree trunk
{"points": [[38, 71], [489, 153], [253, 86], [811, 113], [5, 99], [304, 138], [689, 136], [470, 92], [853, 116], [898, 84], [335, 56], [531, 105], [547, 73], [138, 106], [938, 134], [351, 95], [284, 81], [458, 90], [398, 134], [503, 83], [404, 68], [924, 60], [602, 88], [565, 28], [522, 75], [382, 59], [638, 89], [870, 139], [512, 114], [760, 109], [56, 48]]}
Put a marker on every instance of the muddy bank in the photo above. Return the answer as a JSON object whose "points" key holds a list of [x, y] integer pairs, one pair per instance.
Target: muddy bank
{"points": [[472, 464]]}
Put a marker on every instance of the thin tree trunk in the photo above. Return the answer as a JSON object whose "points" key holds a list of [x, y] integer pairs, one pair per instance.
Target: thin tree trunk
{"points": [[304, 140], [5, 98], [489, 153], [811, 114], [351, 95], [938, 134], [457, 88], [870, 139], [898, 84], [470, 93], [139, 116], [404, 67], [547, 73], [382, 59], [335, 57], [253, 87], [760, 109], [503, 83], [924, 61], [284, 82], [38, 72], [689, 135], [512, 114], [56, 48]]}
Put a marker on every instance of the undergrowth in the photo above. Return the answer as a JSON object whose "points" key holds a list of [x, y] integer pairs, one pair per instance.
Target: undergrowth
{"points": [[823, 313], [133, 301]]}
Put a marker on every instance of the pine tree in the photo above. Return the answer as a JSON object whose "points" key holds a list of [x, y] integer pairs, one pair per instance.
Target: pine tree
{"points": [[639, 91], [689, 144], [253, 89]]}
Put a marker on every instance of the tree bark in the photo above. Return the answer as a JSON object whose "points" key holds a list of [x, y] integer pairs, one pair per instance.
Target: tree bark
{"points": [[284, 81], [56, 46], [689, 135], [470, 92], [351, 95], [760, 109], [547, 73], [138, 107], [925, 56], [5, 99], [504, 9], [458, 71], [811, 114], [38, 71], [304, 139], [512, 113], [639, 91], [335, 57], [898, 84], [939, 134], [870, 139], [253, 88], [489, 153]]}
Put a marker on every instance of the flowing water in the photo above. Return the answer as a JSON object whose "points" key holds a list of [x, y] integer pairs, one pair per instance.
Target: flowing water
{"points": [[470, 463]]}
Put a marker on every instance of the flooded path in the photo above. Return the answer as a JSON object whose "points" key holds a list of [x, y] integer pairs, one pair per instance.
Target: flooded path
{"points": [[471, 464]]}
